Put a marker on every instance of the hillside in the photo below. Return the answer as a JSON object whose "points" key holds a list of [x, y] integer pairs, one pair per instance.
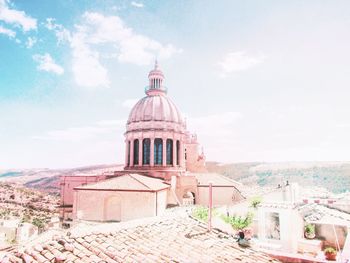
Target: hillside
{"points": [[47, 180], [17, 202], [334, 176]]}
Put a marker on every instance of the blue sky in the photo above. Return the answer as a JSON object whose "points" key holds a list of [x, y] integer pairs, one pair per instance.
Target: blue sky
{"points": [[256, 80]]}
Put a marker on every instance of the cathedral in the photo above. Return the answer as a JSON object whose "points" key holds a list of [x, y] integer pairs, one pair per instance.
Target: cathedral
{"points": [[164, 167]]}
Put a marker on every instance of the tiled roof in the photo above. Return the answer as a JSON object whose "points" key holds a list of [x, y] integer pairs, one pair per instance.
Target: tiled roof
{"points": [[176, 238], [318, 213], [128, 182], [216, 179]]}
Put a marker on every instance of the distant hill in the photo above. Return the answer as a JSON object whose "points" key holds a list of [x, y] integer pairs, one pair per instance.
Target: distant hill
{"points": [[48, 180], [334, 176]]}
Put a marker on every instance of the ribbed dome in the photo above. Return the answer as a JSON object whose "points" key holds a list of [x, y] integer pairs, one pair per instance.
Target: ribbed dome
{"points": [[155, 108]]}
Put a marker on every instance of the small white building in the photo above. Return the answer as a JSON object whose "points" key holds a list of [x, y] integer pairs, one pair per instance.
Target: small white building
{"points": [[282, 217], [25, 231], [14, 230]]}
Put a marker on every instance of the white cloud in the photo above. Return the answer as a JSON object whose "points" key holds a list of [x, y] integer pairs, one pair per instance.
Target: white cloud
{"points": [[133, 48], [96, 33], [62, 34], [136, 4], [15, 17], [83, 133], [129, 103], [86, 66], [343, 125], [10, 33], [238, 61], [46, 63], [216, 132], [214, 124], [31, 42]]}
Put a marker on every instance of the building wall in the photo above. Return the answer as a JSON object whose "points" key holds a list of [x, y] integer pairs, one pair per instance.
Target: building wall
{"points": [[195, 161], [326, 232], [227, 195], [289, 193], [26, 231], [162, 197], [67, 184], [9, 232], [290, 228], [184, 184], [97, 205]]}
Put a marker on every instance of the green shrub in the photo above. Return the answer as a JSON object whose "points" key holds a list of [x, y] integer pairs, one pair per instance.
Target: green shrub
{"points": [[239, 222], [255, 201], [201, 213], [38, 222]]}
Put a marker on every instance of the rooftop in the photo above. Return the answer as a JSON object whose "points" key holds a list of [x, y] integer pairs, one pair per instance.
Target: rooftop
{"points": [[320, 214], [127, 182], [172, 238], [216, 179]]}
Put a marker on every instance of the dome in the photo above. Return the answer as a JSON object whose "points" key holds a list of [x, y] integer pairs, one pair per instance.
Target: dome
{"points": [[155, 131], [155, 108]]}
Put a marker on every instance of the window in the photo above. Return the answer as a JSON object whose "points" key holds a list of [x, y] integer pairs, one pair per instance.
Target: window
{"points": [[272, 225], [128, 164], [146, 151], [169, 152], [177, 152], [158, 151], [136, 152]]}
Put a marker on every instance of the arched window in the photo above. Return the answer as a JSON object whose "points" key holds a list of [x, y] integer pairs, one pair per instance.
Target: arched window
{"points": [[128, 164], [169, 151], [177, 152], [136, 152], [146, 147], [158, 151]]}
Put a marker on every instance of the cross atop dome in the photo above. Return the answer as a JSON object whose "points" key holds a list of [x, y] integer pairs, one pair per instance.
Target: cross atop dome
{"points": [[156, 79]]}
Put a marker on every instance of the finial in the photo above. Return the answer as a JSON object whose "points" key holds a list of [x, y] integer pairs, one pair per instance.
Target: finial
{"points": [[156, 64]]}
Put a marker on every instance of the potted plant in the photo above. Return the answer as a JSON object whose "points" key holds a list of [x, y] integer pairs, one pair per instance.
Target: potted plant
{"points": [[330, 253], [309, 231]]}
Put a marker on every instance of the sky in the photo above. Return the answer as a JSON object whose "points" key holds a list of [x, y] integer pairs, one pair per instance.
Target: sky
{"points": [[256, 80]]}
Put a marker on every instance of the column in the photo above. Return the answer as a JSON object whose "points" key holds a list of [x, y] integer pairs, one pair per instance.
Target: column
{"points": [[181, 153], [132, 152], [140, 151], [126, 152], [152, 152], [164, 151], [174, 152]]}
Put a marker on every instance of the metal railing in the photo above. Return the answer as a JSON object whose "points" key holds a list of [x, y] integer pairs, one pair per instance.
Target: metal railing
{"points": [[162, 88]]}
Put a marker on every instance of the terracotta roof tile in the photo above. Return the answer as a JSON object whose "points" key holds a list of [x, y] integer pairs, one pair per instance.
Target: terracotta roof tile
{"points": [[168, 239]]}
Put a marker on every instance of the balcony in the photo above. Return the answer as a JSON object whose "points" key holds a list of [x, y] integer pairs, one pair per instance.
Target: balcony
{"points": [[149, 89]]}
